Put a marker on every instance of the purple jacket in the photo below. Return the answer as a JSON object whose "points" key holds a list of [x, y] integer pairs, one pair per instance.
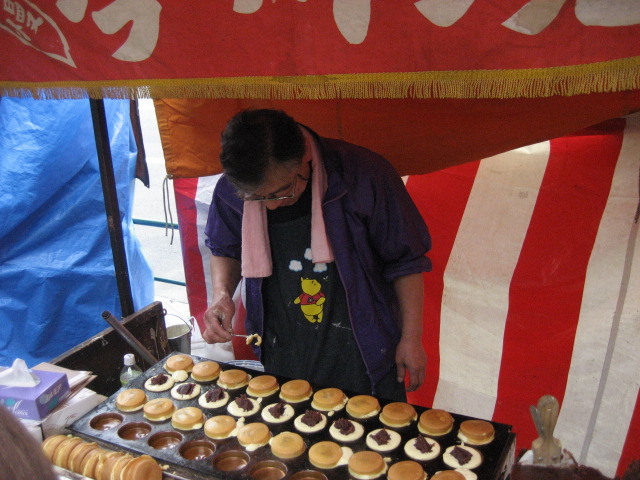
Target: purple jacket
{"points": [[377, 235]]}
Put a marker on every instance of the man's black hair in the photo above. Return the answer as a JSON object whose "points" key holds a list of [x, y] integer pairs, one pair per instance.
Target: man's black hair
{"points": [[253, 139]]}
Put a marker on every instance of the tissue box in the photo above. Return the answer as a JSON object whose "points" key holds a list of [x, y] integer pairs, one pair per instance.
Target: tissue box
{"points": [[36, 402]]}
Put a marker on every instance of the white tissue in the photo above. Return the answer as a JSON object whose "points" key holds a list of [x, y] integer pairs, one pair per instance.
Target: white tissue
{"points": [[18, 375]]}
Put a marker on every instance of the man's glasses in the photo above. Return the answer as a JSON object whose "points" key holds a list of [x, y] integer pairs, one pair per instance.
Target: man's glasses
{"points": [[273, 197]]}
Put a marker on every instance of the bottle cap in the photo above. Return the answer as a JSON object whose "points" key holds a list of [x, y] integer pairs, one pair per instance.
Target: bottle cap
{"points": [[129, 359]]}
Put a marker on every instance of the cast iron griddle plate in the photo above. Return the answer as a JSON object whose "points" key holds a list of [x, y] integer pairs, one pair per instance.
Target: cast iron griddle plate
{"points": [[228, 459]]}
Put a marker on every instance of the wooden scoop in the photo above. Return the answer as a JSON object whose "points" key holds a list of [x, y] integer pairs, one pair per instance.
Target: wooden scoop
{"points": [[547, 449]]}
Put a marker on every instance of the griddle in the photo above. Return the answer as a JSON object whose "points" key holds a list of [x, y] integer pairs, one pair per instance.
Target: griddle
{"points": [[192, 455]]}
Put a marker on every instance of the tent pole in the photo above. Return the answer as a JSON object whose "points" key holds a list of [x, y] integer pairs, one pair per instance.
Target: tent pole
{"points": [[114, 221]]}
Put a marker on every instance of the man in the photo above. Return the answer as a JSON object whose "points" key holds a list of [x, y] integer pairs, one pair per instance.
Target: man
{"points": [[331, 249]]}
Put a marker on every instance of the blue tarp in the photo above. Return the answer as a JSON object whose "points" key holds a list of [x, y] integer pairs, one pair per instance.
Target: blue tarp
{"points": [[56, 266]]}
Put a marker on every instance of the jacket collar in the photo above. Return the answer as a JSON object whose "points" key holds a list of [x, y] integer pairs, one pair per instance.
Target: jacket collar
{"points": [[336, 187]]}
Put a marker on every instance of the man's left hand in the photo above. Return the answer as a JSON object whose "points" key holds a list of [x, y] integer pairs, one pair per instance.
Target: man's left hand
{"points": [[411, 360]]}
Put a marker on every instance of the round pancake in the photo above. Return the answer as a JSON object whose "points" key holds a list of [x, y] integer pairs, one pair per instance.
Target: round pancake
{"points": [[363, 406], [476, 432], [179, 362], [158, 409], [448, 475], [325, 454], [62, 453], [131, 400], [295, 391], [262, 386], [287, 445], [254, 435], [142, 467], [366, 464], [206, 371], [398, 414], [406, 470], [220, 426], [187, 418], [435, 422], [233, 379], [329, 399], [51, 443]]}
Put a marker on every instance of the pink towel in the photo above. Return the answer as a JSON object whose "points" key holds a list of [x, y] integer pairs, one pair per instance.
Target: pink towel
{"points": [[256, 254]]}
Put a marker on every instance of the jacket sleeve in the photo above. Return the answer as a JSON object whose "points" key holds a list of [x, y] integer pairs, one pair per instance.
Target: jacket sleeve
{"points": [[224, 222], [396, 229]]}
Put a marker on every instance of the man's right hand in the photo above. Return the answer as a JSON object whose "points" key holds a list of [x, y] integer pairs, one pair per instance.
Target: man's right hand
{"points": [[217, 319]]}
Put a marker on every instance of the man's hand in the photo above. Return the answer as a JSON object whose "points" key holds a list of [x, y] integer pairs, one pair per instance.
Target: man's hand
{"points": [[410, 357], [411, 360], [225, 276], [217, 319]]}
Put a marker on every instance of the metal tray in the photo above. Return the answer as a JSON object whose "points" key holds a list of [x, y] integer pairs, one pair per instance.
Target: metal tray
{"points": [[229, 460]]}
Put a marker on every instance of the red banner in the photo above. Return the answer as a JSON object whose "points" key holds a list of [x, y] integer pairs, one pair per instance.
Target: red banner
{"points": [[318, 49]]}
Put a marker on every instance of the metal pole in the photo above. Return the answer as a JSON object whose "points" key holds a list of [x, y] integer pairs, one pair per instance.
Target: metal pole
{"points": [[114, 222]]}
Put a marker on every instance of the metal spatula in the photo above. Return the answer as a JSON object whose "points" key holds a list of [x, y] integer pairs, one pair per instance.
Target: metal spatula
{"points": [[547, 449]]}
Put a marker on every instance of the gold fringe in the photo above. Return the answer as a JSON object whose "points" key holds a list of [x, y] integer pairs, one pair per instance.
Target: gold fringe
{"points": [[610, 76]]}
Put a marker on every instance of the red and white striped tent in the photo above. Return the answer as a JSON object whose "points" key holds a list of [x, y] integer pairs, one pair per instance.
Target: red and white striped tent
{"points": [[534, 288], [514, 123]]}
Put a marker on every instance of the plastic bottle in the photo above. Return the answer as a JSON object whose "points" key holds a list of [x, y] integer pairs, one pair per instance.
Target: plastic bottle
{"points": [[130, 370]]}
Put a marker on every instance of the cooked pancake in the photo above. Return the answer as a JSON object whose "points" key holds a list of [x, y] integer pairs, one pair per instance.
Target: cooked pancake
{"points": [[158, 409], [406, 470], [178, 362], [205, 371], [62, 453], [325, 454], [51, 443], [118, 466], [366, 465], [90, 461], [363, 406], [105, 464], [220, 426], [77, 456], [329, 399], [262, 386], [466, 473], [254, 435], [142, 467], [398, 414], [131, 400], [295, 391], [188, 418], [435, 422], [287, 445], [476, 432], [448, 475], [233, 379]]}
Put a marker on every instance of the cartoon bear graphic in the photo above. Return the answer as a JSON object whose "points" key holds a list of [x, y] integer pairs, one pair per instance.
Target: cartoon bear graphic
{"points": [[311, 300]]}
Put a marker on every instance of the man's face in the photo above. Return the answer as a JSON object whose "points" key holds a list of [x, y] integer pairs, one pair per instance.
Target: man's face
{"points": [[283, 186]]}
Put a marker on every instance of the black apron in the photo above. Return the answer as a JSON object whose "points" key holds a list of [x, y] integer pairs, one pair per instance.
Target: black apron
{"points": [[307, 328]]}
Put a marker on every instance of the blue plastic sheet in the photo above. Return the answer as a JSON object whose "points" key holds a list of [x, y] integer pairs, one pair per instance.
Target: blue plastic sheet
{"points": [[56, 266]]}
